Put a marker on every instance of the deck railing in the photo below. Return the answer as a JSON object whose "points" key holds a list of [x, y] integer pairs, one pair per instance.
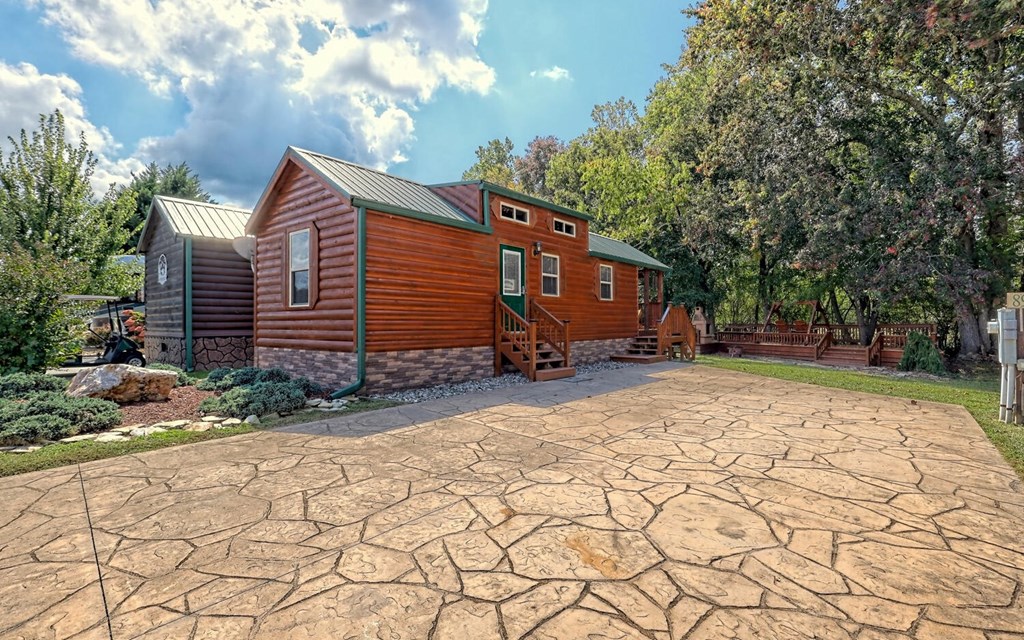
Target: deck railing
{"points": [[551, 329], [675, 327], [761, 337]]}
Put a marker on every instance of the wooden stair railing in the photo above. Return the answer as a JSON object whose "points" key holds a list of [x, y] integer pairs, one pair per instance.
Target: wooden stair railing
{"points": [[874, 354], [538, 346], [549, 328], [822, 346], [516, 338], [675, 328]]}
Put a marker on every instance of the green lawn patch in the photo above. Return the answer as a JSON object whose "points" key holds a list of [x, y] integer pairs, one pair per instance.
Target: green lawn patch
{"points": [[59, 455], [979, 397]]}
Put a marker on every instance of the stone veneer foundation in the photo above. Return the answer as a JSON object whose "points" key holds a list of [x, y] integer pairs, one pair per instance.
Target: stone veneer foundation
{"points": [[588, 351], [209, 353], [394, 370], [335, 369], [165, 349]]}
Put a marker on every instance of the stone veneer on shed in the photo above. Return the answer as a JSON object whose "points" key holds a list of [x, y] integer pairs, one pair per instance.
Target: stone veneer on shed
{"points": [[208, 353]]}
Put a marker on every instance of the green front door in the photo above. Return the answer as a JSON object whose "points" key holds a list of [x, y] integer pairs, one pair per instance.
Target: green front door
{"points": [[513, 278]]}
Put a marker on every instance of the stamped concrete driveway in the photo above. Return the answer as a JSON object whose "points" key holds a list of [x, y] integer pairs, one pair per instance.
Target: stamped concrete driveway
{"points": [[658, 502]]}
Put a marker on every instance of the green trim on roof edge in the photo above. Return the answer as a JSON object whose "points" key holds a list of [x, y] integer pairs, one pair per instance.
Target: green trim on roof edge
{"points": [[417, 215], [522, 197], [635, 263], [517, 195]]}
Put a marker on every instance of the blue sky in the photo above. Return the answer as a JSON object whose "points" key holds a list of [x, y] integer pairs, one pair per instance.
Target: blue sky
{"points": [[412, 87]]}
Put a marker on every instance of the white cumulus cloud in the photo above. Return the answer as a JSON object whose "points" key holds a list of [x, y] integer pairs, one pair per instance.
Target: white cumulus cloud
{"points": [[25, 93], [555, 73], [340, 76]]}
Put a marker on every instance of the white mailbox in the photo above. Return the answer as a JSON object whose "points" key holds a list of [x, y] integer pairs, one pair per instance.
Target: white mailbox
{"points": [[1007, 321]]}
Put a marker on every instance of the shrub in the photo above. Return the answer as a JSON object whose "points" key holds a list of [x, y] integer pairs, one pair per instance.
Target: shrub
{"points": [[259, 398], [308, 387], [920, 354], [31, 429], [183, 379], [20, 385], [224, 379], [84, 414]]}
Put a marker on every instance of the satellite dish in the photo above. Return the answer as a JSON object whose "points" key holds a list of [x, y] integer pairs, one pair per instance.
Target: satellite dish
{"points": [[245, 246]]}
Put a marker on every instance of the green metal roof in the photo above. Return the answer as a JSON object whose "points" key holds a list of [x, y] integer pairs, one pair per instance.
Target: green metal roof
{"points": [[192, 219], [376, 187], [610, 249]]}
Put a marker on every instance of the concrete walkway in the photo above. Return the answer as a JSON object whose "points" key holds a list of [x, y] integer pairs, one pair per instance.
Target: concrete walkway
{"points": [[652, 502]]}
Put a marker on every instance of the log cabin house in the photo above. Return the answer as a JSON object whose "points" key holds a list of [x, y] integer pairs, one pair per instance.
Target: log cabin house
{"points": [[199, 290], [367, 280]]}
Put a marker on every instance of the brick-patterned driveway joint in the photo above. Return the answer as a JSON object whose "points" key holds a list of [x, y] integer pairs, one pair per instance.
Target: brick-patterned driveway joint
{"points": [[652, 502]]}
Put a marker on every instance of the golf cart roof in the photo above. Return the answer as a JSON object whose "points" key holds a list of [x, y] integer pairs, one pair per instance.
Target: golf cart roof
{"points": [[83, 298]]}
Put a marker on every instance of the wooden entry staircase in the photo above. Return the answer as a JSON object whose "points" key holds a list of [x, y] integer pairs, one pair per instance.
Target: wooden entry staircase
{"points": [[673, 337], [538, 346]]}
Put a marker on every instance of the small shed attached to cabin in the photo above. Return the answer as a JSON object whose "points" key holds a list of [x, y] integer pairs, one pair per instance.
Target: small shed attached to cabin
{"points": [[199, 290]]}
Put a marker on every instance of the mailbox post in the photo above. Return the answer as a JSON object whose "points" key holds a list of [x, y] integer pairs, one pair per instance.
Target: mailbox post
{"points": [[1006, 329]]}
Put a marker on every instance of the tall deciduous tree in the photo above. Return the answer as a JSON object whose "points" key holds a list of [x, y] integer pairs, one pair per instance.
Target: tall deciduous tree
{"points": [[495, 163], [56, 238], [47, 201], [531, 168]]}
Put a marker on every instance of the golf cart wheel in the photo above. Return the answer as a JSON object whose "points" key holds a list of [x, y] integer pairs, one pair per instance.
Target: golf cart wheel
{"points": [[134, 359]]}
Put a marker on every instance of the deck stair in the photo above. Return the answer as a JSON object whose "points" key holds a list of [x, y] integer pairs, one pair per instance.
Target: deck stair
{"points": [[674, 337], [642, 350], [844, 355], [539, 346]]}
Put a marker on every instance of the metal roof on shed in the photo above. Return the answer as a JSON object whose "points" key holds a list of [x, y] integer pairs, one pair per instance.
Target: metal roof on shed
{"points": [[610, 249], [376, 186], [192, 219]]}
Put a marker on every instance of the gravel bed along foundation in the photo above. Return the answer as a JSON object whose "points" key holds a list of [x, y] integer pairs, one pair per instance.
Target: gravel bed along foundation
{"points": [[486, 384]]}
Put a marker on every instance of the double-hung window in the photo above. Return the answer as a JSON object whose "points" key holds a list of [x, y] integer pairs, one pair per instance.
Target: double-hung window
{"points": [[549, 275], [298, 268], [605, 281]]}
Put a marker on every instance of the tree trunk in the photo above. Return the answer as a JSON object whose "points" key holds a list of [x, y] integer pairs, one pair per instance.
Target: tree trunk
{"points": [[867, 319], [835, 311], [970, 336]]}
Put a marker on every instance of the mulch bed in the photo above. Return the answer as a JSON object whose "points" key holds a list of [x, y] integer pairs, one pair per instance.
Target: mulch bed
{"points": [[182, 405]]}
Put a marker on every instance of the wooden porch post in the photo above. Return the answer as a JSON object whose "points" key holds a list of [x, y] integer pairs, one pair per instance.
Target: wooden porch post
{"points": [[661, 292]]}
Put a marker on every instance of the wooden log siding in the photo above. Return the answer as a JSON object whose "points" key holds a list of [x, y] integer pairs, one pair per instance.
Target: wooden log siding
{"points": [[329, 323], [466, 197], [165, 303], [579, 293], [428, 286], [222, 290]]}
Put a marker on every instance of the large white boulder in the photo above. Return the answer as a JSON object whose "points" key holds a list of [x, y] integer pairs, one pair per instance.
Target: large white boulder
{"points": [[123, 383]]}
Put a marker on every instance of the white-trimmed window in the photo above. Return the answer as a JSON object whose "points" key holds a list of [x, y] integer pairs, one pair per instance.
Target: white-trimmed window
{"points": [[564, 227], [549, 275], [514, 213], [298, 268], [605, 278]]}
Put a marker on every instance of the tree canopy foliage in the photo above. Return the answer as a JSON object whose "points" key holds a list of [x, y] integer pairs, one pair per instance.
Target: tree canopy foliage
{"points": [[56, 238], [178, 181], [867, 154]]}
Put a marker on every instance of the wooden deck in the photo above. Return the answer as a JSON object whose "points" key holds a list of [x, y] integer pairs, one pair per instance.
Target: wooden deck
{"points": [[834, 345]]}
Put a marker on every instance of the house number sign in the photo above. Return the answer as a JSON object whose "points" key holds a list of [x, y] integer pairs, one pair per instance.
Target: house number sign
{"points": [[1015, 300]]}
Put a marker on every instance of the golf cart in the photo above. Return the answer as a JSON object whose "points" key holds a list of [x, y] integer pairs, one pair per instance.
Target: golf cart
{"points": [[118, 348]]}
